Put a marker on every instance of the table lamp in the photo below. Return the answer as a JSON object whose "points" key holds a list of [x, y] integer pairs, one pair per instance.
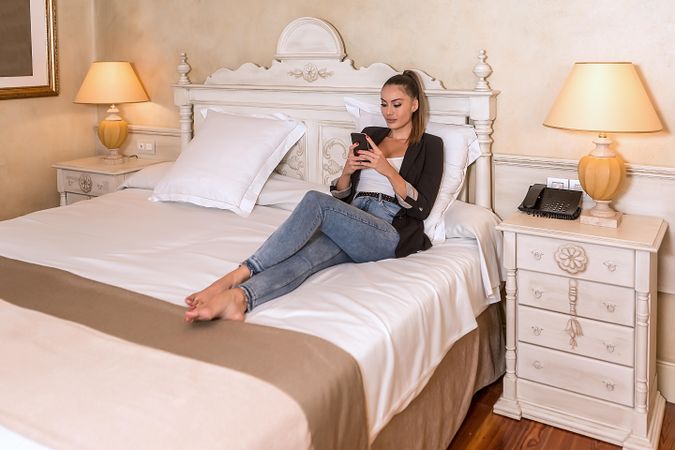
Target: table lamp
{"points": [[111, 83], [606, 98]]}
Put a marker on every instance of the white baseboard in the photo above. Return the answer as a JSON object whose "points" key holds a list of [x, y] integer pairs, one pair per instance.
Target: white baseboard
{"points": [[666, 373]]}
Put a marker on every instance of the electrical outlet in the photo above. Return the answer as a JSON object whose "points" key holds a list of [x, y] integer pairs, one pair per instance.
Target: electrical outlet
{"points": [[576, 185], [146, 148], [558, 183]]}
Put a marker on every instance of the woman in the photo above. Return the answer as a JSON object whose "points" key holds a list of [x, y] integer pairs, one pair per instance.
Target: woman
{"points": [[375, 212]]}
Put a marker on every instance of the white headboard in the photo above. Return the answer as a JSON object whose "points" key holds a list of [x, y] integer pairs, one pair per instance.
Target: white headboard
{"points": [[308, 81]]}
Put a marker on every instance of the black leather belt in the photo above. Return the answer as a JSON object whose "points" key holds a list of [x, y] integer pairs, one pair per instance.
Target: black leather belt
{"points": [[377, 195]]}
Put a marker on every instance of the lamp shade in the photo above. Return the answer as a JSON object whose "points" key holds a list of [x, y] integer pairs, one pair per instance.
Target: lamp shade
{"points": [[604, 97], [111, 83]]}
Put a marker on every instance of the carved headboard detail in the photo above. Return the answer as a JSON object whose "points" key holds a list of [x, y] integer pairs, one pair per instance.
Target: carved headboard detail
{"points": [[308, 81]]}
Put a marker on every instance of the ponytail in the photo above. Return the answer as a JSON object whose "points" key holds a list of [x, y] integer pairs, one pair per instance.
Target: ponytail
{"points": [[411, 84]]}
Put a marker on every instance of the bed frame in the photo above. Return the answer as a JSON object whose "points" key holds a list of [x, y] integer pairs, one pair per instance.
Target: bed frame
{"points": [[308, 81]]}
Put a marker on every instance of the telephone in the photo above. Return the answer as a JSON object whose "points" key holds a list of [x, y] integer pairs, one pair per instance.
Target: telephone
{"points": [[551, 202]]}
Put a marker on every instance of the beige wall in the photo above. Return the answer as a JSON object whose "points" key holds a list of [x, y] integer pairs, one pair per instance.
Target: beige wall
{"points": [[531, 45], [37, 132]]}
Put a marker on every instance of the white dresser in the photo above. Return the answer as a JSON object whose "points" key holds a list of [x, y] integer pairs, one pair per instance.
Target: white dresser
{"points": [[581, 327]]}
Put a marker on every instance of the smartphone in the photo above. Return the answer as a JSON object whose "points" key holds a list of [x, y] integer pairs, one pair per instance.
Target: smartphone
{"points": [[360, 138]]}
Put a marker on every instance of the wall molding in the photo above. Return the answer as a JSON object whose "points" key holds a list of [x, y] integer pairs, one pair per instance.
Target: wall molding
{"points": [[156, 131], [540, 162], [666, 372]]}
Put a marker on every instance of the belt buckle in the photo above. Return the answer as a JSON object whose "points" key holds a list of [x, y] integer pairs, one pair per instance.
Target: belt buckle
{"points": [[379, 197]]}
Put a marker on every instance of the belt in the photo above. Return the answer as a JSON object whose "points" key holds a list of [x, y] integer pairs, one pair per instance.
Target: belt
{"points": [[377, 195]]}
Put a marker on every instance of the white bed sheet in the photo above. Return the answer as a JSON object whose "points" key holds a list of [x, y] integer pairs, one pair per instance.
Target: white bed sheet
{"points": [[396, 317]]}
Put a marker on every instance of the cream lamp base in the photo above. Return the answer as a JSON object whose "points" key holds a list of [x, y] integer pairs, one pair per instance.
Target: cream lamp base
{"points": [[113, 157], [588, 217], [601, 173], [112, 132]]}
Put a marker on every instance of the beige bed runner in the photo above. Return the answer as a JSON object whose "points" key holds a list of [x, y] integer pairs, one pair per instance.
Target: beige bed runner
{"points": [[324, 380]]}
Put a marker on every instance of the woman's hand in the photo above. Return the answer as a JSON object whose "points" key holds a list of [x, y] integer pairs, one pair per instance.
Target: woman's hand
{"points": [[375, 159], [353, 162]]}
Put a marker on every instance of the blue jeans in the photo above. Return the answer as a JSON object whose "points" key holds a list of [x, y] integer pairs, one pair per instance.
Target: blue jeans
{"points": [[321, 232]]}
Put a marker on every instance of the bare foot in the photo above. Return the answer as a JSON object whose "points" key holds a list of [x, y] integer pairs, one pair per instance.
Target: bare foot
{"points": [[228, 281], [229, 305]]}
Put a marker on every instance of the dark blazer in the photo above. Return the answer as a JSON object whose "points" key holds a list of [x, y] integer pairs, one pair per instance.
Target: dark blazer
{"points": [[422, 168]]}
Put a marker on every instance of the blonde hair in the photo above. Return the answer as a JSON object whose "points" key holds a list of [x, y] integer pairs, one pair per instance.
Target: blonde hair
{"points": [[411, 84]]}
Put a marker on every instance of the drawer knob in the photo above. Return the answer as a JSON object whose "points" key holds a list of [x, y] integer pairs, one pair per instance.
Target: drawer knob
{"points": [[537, 330], [85, 183], [609, 385], [537, 293], [610, 347], [610, 266], [571, 258], [537, 254], [610, 306], [537, 365]]}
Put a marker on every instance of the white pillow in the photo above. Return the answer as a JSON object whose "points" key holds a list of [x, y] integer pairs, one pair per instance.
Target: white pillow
{"points": [[228, 161], [460, 149], [148, 177], [286, 192], [464, 220]]}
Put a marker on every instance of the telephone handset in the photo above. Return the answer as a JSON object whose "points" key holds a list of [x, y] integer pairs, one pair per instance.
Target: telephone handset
{"points": [[551, 202]]}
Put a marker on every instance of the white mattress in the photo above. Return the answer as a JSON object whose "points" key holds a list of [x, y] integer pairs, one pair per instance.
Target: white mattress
{"points": [[396, 317]]}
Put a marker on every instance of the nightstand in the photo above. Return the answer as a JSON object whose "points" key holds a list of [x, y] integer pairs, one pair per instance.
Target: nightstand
{"points": [[82, 179], [581, 327]]}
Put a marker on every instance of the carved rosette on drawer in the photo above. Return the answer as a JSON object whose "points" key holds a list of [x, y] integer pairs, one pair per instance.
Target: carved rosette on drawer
{"points": [[85, 183], [571, 258]]}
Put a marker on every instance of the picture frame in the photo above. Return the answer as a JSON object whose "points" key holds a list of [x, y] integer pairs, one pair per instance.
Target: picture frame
{"points": [[28, 49]]}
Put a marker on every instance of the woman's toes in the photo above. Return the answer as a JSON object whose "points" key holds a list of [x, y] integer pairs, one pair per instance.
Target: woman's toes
{"points": [[229, 305]]}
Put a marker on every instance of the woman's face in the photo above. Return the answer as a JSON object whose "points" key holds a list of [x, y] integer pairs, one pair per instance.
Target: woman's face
{"points": [[397, 106]]}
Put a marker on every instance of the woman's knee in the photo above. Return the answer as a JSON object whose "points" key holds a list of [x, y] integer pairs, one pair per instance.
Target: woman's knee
{"points": [[314, 197]]}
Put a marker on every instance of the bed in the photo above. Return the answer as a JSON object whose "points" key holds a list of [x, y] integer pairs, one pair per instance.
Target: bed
{"points": [[373, 355]]}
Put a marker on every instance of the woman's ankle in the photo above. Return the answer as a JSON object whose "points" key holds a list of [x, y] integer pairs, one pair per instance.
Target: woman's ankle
{"points": [[241, 274]]}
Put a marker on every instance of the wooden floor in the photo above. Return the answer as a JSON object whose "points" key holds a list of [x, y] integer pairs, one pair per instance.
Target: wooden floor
{"points": [[484, 430]]}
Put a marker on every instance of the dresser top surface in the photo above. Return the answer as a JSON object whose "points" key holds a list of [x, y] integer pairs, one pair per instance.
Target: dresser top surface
{"points": [[636, 232], [96, 164]]}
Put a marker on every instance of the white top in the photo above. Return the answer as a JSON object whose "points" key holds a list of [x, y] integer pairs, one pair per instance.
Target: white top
{"points": [[373, 181]]}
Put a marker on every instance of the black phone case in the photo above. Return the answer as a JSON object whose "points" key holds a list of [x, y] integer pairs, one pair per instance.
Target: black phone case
{"points": [[360, 138]]}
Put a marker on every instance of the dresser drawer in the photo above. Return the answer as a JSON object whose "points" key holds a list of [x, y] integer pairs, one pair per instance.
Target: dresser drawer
{"points": [[92, 184], [575, 373], [612, 343], [594, 300], [586, 261]]}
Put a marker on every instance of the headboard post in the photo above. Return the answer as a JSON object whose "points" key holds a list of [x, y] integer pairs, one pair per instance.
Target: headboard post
{"points": [[182, 100], [484, 164], [482, 70], [483, 116]]}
